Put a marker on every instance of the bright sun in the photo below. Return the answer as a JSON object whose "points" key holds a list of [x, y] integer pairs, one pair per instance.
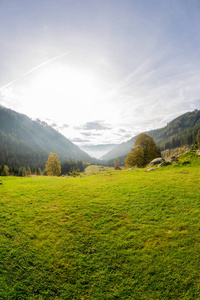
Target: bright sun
{"points": [[66, 94], [71, 89], [71, 82]]}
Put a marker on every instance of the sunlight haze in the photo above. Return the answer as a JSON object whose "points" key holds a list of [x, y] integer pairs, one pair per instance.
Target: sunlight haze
{"points": [[100, 72]]}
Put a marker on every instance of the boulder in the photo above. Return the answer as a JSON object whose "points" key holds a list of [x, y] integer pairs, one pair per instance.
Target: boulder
{"points": [[156, 161], [198, 152], [151, 169], [162, 164]]}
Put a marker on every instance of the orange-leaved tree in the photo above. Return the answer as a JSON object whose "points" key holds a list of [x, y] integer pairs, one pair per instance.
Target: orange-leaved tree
{"points": [[144, 151]]}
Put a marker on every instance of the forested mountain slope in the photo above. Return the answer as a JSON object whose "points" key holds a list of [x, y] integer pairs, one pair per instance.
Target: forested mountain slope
{"points": [[25, 142], [179, 132]]}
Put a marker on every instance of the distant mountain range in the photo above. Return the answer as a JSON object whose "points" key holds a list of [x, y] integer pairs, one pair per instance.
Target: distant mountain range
{"points": [[181, 131], [24, 142], [98, 150]]}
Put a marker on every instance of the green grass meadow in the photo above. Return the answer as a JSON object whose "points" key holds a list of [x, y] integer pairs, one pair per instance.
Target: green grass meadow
{"points": [[117, 235]]}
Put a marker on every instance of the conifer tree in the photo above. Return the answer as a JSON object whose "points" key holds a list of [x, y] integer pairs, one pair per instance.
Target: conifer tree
{"points": [[198, 138], [22, 172], [28, 171]]}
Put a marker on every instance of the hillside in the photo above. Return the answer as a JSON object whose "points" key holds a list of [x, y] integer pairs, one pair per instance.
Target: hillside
{"points": [[26, 142], [179, 132]]}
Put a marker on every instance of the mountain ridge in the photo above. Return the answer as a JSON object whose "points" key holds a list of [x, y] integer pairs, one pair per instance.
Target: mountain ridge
{"points": [[25, 142], [32, 139], [180, 131]]}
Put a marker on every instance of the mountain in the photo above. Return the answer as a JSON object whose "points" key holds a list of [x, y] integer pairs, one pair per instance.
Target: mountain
{"points": [[120, 150], [181, 131], [98, 150], [26, 142]]}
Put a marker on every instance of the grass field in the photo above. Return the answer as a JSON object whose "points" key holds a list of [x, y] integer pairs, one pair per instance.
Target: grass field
{"points": [[117, 235], [96, 170]]}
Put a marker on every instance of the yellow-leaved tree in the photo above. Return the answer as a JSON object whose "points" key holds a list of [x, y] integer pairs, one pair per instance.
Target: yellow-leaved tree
{"points": [[53, 166], [144, 152]]}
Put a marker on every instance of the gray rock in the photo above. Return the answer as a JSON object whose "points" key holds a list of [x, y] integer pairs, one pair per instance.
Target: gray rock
{"points": [[156, 161], [162, 164]]}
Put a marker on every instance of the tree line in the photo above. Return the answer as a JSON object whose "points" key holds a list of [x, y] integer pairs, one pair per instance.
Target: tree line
{"points": [[70, 167], [53, 168], [145, 150], [188, 137], [14, 154]]}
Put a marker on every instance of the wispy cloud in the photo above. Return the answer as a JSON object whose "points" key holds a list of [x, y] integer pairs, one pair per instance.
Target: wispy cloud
{"points": [[90, 134], [79, 140], [131, 66], [32, 70]]}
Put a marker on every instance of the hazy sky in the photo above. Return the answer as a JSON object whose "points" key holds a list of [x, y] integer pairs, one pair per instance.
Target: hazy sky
{"points": [[100, 71]]}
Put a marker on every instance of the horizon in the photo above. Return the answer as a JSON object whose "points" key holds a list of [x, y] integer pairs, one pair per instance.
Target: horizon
{"points": [[100, 72], [99, 150]]}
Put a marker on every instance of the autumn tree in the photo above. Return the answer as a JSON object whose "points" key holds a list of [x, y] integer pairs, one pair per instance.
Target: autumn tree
{"points": [[117, 164], [53, 166], [5, 171], [144, 151]]}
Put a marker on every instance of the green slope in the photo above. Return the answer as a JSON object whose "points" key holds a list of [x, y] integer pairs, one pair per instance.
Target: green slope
{"points": [[33, 138], [181, 131]]}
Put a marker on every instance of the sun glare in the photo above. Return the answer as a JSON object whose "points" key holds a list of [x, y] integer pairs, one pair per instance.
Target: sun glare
{"points": [[73, 90], [69, 82], [65, 94]]}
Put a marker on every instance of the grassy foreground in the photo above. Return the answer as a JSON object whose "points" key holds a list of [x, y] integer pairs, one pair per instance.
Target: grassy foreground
{"points": [[118, 235]]}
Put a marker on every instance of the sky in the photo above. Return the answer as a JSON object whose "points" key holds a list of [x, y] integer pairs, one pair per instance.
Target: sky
{"points": [[100, 72]]}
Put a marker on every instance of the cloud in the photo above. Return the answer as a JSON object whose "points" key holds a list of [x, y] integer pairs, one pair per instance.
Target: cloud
{"points": [[96, 125], [123, 134], [128, 135], [54, 125], [77, 127], [64, 126], [58, 126], [91, 134], [116, 92], [41, 122], [79, 140], [122, 130], [33, 69]]}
